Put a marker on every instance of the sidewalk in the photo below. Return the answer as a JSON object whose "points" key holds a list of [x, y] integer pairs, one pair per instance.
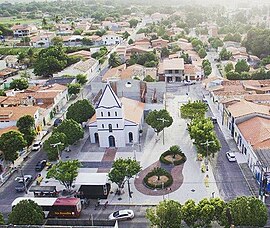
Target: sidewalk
{"points": [[241, 160]]}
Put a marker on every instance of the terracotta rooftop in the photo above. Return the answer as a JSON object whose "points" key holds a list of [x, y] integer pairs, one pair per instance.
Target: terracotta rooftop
{"points": [[173, 64], [244, 108], [259, 136], [133, 110], [7, 129], [15, 113], [113, 73]]}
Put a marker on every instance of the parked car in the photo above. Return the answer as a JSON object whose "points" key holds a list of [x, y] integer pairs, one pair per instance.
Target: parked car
{"points": [[231, 156], [36, 145], [121, 215], [23, 182], [40, 165], [57, 122]]}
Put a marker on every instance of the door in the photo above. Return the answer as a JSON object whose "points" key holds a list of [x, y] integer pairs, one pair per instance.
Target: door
{"points": [[96, 138], [130, 137], [111, 141]]}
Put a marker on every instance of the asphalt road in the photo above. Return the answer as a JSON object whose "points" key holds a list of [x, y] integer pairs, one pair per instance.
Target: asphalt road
{"points": [[8, 192], [228, 176]]}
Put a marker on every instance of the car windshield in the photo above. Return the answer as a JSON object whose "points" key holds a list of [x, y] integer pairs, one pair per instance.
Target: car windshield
{"points": [[232, 155], [36, 144], [116, 214]]}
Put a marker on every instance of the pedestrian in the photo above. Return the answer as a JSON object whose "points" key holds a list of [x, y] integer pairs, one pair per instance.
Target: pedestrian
{"points": [[206, 181]]}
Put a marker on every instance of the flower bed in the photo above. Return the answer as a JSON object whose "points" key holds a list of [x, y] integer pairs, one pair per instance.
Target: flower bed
{"points": [[169, 157], [158, 180]]}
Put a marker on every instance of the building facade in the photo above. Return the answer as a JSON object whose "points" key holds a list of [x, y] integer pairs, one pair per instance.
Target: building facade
{"points": [[116, 122]]}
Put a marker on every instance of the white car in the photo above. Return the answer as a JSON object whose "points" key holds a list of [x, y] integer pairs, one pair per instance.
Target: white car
{"points": [[231, 156], [121, 215], [188, 82], [36, 146]]}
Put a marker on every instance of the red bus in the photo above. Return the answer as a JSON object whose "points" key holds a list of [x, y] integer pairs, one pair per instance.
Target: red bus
{"points": [[56, 207]]}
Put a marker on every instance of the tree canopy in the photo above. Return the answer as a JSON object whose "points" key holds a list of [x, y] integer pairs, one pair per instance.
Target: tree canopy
{"points": [[123, 169], [71, 129], [50, 60], [26, 212], [148, 59], [26, 125], [10, 143], [155, 120], [65, 172], [166, 214], [80, 111], [193, 110], [201, 131], [2, 220], [114, 60], [19, 84], [74, 88], [52, 152], [224, 54], [242, 66], [81, 78]]}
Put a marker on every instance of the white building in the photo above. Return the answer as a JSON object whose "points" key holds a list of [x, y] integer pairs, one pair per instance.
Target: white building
{"points": [[112, 39], [116, 122]]}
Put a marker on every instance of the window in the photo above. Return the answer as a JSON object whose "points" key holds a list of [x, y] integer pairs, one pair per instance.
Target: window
{"points": [[110, 128], [170, 71], [101, 113], [117, 125], [177, 71], [115, 113], [102, 125], [109, 114]]}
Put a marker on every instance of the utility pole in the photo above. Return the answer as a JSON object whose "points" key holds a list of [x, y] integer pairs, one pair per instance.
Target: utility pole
{"points": [[207, 143], [163, 121], [56, 145]]}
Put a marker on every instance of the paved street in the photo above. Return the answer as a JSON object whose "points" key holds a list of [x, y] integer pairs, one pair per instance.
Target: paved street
{"points": [[7, 191]]}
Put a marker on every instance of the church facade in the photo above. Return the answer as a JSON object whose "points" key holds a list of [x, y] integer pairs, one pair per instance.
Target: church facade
{"points": [[117, 122]]}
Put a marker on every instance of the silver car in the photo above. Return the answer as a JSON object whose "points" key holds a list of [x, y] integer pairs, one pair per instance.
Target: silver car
{"points": [[231, 156]]}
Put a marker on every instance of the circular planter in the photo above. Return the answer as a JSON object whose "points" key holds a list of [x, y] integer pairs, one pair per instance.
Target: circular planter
{"points": [[169, 157], [152, 181]]}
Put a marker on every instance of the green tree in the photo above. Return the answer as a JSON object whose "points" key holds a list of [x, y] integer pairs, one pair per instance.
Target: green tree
{"points": [[148, 78], [65, 172], [242, 66], [44, 22], [25, 74], [71, 129], [155, 120], [193, 110], [202, 53], [125, 35], [80, 111], [2, 92], [26, 212], [57, 40], [10, 143], [133, 23], [231, 75], [19, 84], [190, 213], [77, 32], [130, 41], [215, 42], [74, 88], [224, 54], [201, 131], [166, 214], [206, 213], [114, 60], [50, 60], [164, 52], [229, 67], [2, 220], [81, 78], [207, 70], [52, 151], [122, 170], [219, 206], [26, 125]]}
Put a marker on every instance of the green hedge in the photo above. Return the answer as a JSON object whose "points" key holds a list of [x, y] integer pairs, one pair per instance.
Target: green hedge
{"points": [[158, 186], [176, 162]]}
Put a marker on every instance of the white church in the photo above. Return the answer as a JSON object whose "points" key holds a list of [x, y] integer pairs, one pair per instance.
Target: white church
{"points": [[117, 122]]}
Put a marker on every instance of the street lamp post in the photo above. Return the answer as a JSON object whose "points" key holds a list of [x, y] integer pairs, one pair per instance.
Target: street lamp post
{"points": [[56, 145], [163, 121], [134, 151], [207, 143], [162, 186]]}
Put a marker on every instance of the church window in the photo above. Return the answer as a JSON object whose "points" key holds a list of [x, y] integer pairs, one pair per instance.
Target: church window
{"points": [[102, 125], [117, 125], [110, 128], [115, 113], [101, 113], [109, 114]]}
